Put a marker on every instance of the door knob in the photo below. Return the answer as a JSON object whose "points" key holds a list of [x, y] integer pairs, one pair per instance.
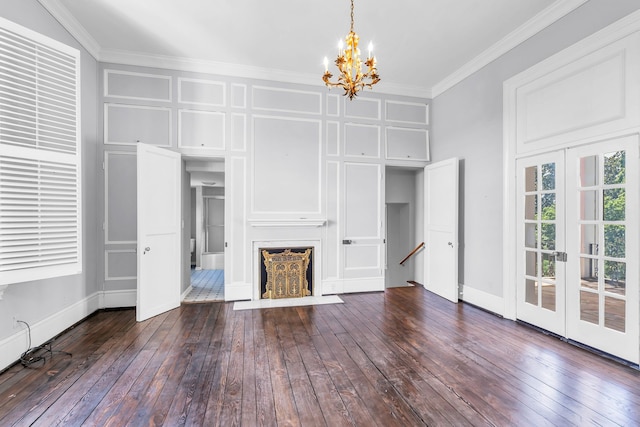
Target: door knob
{"points": [[450, 244], [147, 249]]}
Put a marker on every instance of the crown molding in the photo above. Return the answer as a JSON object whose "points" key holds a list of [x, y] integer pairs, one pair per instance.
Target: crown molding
{"points": [[527, 30], [71, 24], [242, 71]]}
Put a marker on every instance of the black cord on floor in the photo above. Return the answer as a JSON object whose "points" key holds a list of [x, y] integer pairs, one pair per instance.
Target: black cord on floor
{"points": [[29, 357]]}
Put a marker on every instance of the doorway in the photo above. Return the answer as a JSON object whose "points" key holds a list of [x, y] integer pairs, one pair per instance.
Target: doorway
{"points": [[207, 230], [578, 243], [403, 213]]}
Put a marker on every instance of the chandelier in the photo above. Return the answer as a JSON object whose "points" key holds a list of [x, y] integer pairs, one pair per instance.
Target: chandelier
{"points": [[351, 78]]}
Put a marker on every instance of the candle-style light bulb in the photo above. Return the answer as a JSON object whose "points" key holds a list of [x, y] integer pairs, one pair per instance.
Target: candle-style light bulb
{"points": [[370, 48], [340, 47], [326, 64]]}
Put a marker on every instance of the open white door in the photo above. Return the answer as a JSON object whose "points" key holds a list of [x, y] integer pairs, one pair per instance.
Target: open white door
{"points": [[159, 227], [441, 228]]}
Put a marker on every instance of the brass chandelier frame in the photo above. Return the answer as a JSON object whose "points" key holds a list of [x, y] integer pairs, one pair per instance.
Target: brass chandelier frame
{"points": [[349, 63]]}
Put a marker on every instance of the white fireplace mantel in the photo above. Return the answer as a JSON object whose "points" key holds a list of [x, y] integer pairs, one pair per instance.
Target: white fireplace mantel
{"points": [[287, 222]]}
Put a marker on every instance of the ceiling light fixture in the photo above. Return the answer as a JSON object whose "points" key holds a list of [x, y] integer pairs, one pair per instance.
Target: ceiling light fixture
{"points": [[351, 78]]}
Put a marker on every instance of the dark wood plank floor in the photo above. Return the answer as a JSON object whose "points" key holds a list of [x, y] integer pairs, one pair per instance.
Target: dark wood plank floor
{"points": [[403, 357]]}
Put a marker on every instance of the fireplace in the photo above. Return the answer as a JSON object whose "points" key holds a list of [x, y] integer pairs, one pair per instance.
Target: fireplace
{"points": [[286, 272], [312, 271]]}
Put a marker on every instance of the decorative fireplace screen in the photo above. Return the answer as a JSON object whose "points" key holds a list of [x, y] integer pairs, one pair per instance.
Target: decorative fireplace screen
{"points": [[286, 273]]}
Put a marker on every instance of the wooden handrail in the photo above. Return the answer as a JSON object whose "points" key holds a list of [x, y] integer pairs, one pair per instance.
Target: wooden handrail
{"points": [[416, 249]]}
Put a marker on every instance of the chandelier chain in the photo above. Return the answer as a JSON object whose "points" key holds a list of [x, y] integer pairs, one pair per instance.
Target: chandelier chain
{"points": [[352, 16]]}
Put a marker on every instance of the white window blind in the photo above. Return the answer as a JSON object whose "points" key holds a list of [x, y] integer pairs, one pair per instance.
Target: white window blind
{"points": [[40, 188]]}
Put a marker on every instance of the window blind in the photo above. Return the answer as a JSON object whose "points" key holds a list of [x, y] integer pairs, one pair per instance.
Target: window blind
{"points": [[40, 188]]}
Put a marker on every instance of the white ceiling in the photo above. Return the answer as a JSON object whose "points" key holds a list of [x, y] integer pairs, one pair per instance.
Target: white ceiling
{"points": [[422, 46]]}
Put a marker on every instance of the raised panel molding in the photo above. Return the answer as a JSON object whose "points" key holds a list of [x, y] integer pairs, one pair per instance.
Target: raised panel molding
{"points": [[407, 144], [407, 112], [130, 124], [333, 105], [238, 96], [333, 138], [287, 154], [238, 132], [361, 140], [137, 86], [570, 99], [202, 92], [282, 100], [120, 264], [362, 108], [120, 208], [201, 129]]}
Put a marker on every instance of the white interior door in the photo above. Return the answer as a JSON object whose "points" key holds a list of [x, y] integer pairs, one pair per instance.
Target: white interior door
{"points": [[159, 231], [363, 255], [602, 243], [578, 244], [441, 228], [540, 236]]}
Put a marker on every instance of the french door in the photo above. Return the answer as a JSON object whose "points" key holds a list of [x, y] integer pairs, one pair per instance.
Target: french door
{"points": [[578, 247]]}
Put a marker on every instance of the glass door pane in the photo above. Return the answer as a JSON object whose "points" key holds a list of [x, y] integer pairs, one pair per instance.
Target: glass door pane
{"points": [[540, 290], [602, 191]]}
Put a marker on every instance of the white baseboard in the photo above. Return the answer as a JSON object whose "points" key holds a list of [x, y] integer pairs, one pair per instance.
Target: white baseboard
{"points": [[482, 299], [238, 291], [373, 284], [118, 299], [13, 346], [185, 293]]}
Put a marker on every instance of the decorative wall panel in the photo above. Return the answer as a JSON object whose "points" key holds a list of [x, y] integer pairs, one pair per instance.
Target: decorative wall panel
{"points": [[120, 264], [120, 183], [238, 132], [130, 124], [407, 112], [361, 140], [201, 92], [333, 138], [201, 129], [238, 96], [333, 105], [286, 100], [287, 157], [362, 108], [584, 96], [407, 144], [138, 86]]}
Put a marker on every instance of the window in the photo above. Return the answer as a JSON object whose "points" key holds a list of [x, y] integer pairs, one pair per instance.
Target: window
{"points": [[40, 188]]}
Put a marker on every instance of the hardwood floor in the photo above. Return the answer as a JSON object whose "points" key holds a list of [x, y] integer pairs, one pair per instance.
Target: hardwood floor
{"points": [[400, 358]]}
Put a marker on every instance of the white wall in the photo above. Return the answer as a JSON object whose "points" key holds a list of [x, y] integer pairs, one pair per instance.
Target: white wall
{"points": [[467, 123], [50, 306]]}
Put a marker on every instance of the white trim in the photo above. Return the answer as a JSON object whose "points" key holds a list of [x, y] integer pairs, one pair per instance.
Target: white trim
{"points": [[542, 20], [371, 284], [284, 222], [13, 346], [242, 87], [482, 299]]}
